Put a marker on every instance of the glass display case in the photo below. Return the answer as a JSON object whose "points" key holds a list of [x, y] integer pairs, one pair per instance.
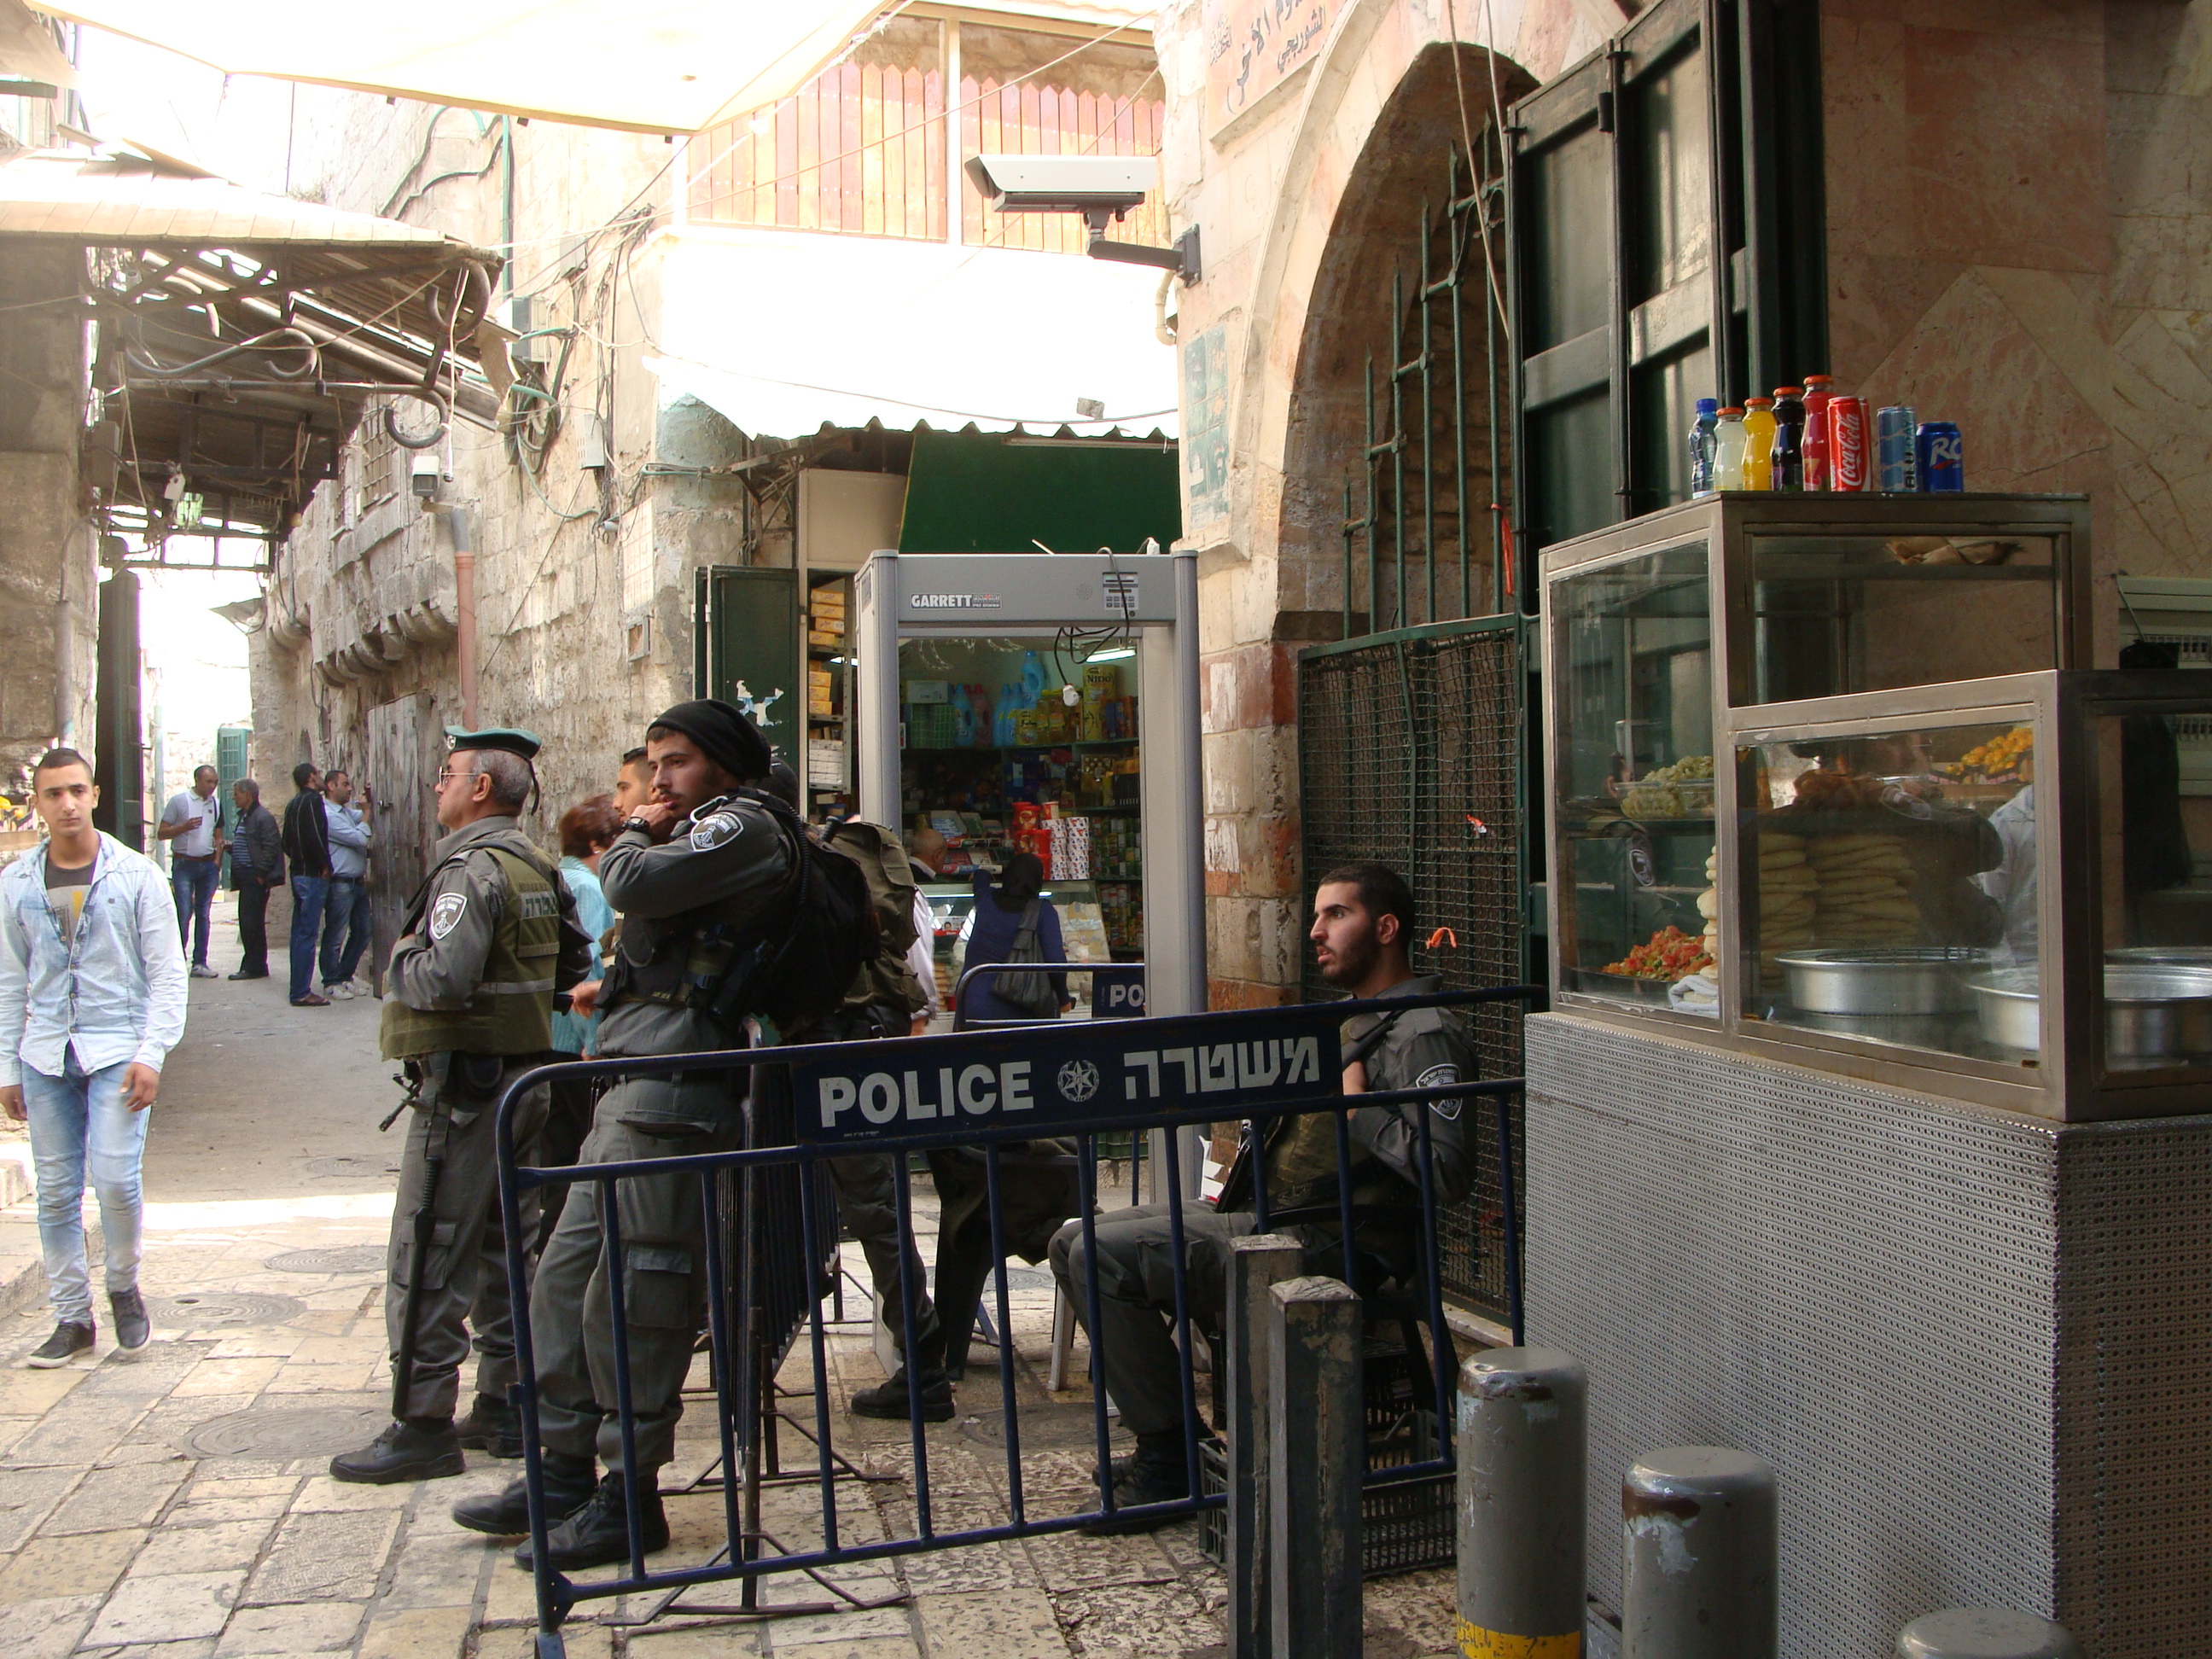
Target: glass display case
{"points": [[1998, 888]]}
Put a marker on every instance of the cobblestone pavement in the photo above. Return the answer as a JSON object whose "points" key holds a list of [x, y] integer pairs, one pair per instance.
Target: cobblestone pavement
{"points": [[176, 1507]]}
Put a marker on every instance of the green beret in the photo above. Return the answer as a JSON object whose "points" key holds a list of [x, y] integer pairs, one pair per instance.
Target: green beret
{"points": [[512, 739]]}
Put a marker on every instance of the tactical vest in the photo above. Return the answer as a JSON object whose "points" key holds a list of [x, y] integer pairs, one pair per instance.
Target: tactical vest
{"points": [[512, 1011]]}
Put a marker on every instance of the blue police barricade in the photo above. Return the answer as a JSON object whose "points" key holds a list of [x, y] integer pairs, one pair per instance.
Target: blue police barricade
{"points": [[982, 1090]]}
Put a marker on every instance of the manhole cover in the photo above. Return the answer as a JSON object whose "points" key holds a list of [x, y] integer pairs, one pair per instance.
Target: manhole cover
{"points": [[349, 1167], [288, 1433], [223, 1310], [345, 1259]]}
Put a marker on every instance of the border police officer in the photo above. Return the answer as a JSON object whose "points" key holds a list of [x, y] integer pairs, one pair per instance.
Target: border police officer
{"points": [[701, 873], [1363, 924], [489, 938]]}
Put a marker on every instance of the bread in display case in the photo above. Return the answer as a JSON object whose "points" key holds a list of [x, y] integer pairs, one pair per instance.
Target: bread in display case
{"points": [[1654, 628]]}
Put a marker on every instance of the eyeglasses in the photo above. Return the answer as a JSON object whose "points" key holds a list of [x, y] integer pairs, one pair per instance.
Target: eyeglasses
{"points": [[447, 774]]}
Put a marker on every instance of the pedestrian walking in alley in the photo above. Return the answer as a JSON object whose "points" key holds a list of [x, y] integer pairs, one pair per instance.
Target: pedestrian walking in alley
{"points": [[192, 824], [93, 989], [308, 848], [345, 911], [469, 1006], [257, 866]]}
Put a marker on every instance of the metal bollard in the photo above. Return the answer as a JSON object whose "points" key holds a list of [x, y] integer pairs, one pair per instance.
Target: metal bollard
{"points": [[1523, 1445], [1700, 1523], [1984, 1633], [1257, 1264], [1316, 1458]]}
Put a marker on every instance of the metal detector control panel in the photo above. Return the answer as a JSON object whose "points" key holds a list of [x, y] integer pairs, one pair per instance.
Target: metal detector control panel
{"points": [[975, 593]]}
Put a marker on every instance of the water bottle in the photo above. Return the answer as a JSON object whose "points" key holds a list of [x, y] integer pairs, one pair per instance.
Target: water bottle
{"points": [[1702, 446], [1729, 441], [1759, 443], [1788, 455]]}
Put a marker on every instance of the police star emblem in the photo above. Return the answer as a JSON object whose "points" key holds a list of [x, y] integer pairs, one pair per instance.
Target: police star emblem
{"points": [[1079, 1080], [445, 915], [716, 831]]}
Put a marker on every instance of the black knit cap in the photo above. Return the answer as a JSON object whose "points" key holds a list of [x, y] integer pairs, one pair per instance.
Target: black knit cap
{"points": [[724, 735]]}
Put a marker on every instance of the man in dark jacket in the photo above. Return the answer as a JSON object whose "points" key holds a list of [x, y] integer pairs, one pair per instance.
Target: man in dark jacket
{"points": [[307, 845], [257, 865]]}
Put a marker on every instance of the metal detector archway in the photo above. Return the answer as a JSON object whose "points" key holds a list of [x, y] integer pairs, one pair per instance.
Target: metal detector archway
{"points": [[995, 595]]}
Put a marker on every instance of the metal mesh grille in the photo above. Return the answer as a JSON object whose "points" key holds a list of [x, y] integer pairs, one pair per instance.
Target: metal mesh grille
{"points": [[1973, 1345], [1855, 1283], [2134, 1392], [1409, 751]]}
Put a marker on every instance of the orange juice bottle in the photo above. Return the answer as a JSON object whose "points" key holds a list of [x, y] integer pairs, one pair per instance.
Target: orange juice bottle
{"points": [[1758, 443]]}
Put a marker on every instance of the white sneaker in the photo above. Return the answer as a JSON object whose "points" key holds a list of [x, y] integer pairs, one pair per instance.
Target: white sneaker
{"points": [[201, 970], [338, 992]]}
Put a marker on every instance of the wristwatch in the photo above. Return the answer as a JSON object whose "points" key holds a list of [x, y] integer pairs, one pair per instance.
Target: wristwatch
{"points": [[638, 824]]}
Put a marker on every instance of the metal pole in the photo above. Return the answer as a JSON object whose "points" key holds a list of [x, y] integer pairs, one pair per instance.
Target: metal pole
{"points": [[1984, 1633], [1523, 1446], [1316, 1457], [1256, 1264], [1700, 1524]]}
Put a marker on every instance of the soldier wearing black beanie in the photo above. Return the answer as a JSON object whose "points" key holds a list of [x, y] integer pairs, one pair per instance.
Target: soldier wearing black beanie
{"points": [[724, 735]]}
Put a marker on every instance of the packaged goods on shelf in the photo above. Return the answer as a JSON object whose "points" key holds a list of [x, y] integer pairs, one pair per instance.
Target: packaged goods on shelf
{"points": [[825, 762], [1071, 848]]}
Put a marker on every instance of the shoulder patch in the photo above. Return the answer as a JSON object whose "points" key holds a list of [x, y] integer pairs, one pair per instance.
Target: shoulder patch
{"points": [[445, 915], [1435, 1077], [719, 830]]}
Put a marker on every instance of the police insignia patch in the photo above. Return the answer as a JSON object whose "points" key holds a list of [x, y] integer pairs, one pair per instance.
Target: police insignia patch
{"points": [[1434, 1077], [445, 915], [717, 831]]}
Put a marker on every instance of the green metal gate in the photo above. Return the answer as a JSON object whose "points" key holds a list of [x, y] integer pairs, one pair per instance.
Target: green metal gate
{"points": [[1410, 750]]}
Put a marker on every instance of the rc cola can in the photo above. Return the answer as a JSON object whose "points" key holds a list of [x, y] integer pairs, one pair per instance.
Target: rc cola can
{"points": [[1939, 456], [1895, 471]]}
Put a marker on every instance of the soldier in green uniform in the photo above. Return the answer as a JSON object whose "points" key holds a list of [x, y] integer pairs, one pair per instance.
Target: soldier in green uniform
{"points": [[468, 1007], [1363, 924], [699, 872]]}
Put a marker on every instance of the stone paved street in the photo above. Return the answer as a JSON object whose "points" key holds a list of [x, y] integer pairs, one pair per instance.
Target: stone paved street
{"points": [[178, 1507]]}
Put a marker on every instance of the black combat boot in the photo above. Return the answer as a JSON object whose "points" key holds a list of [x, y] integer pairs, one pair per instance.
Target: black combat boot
{"points": [[888, 1400], [1159, 1473], [569, 1483], [598, 1534], [411, 1449], [492, 1425]]}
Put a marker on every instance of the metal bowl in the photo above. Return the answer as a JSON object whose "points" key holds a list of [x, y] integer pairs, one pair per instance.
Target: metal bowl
{"points": [[2162, 956], [1909, 980], [1938, 1031], [2151, 1012]]}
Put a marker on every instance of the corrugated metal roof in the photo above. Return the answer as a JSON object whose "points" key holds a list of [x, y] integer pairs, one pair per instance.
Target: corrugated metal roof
{"points": [[77, 199]]}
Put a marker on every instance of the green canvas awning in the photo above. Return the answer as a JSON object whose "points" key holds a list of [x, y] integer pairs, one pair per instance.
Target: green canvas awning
{"points": [[981, 492]]}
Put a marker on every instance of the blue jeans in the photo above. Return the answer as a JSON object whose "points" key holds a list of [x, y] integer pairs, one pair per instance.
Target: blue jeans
{"points": [[310, 899], [192, 881], [345, 933], [80, 1130]]}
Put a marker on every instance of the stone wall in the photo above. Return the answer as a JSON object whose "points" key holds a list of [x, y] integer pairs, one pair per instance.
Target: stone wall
{"points": [[2017, 240], [582, 575], [1303, 192], [49, 607]]}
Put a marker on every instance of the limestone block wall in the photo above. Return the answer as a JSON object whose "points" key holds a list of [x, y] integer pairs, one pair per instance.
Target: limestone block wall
{"points": [[2018, 237]]}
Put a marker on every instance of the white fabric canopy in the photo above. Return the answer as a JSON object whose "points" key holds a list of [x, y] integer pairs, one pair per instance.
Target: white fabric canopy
{"points": [[784, 333], [661, 66]]}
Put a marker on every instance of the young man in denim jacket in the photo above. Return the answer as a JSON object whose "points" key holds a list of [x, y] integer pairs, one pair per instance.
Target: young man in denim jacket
{"points": [[92, 999]]}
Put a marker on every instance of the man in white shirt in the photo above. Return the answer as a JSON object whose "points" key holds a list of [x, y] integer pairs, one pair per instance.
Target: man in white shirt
{"points": [[345, 921], [192, 825], [92, 999]]}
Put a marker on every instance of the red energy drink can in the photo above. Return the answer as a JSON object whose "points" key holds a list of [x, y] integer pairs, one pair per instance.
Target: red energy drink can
{"points": [[1847, 443]]}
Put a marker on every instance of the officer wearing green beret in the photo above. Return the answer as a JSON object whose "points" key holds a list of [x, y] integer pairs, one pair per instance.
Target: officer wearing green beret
{"points": [[489, 937]]}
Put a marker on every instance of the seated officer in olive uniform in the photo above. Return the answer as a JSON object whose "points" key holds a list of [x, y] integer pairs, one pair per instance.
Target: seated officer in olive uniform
{"points": [[1362, 924], [699, 872], [469, 1006]]}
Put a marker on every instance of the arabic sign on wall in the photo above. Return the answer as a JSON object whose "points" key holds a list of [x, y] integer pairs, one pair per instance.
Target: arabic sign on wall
{"points": [[1252, 46]]}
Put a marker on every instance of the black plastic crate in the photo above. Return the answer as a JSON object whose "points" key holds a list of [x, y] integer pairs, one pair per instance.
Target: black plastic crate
{"points": [[1403, 1527]]}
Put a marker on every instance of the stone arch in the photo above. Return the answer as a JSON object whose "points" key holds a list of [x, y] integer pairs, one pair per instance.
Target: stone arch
{"points": [[1386, 229]]}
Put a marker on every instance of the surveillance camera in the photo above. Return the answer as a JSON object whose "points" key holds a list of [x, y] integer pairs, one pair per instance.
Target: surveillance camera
{"points": [[1065, 184]]}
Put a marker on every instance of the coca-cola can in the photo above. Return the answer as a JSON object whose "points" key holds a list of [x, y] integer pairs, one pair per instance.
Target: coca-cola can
{"points": [[1847, 443]]}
